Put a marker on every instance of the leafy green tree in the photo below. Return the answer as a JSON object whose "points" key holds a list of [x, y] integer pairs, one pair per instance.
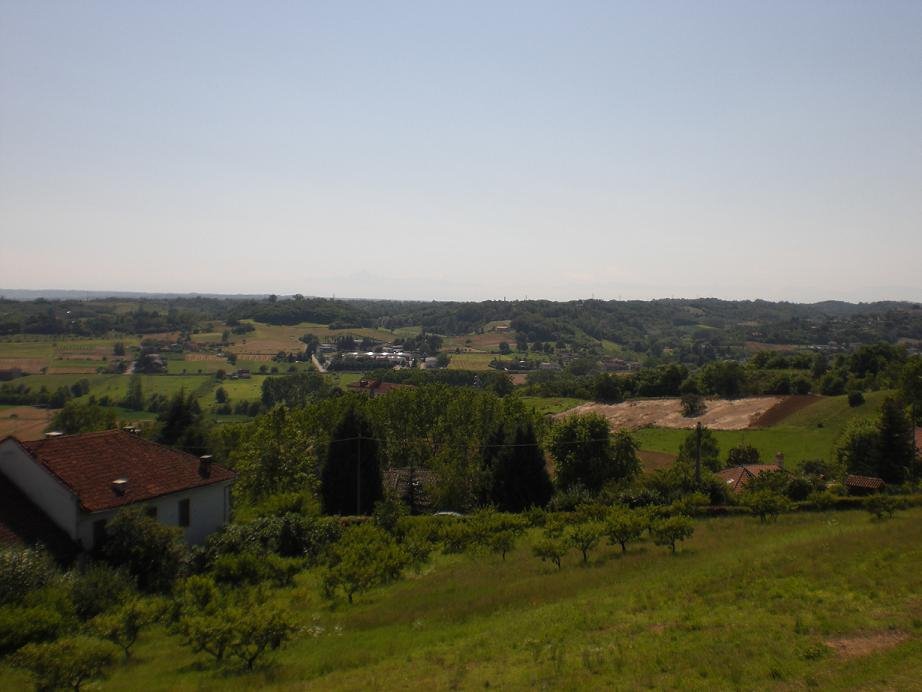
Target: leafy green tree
{"points": [[585, 537], [606, 389], [181, 425], [79, 417], [294, 390], [581, 447], [710, 450], [275, 456], [911, 385], [99, 587], [766, 505], [151, 552], [351, 478], [881, 506], [257, 630], [858, 449], [135, 397], [23, 570], [693, 405], [502, 542], [672, 530], [550, 549], [894, 444], [519, 476], [123, 626], [364, 557], [725, 378], [624, 526], [743, 454], [624, 455], [67, 663]]}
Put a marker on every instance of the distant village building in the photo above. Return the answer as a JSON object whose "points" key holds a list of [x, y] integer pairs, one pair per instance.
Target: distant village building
{"points": [[374, 388], [736, 477], [76, 483], [863, 485]]}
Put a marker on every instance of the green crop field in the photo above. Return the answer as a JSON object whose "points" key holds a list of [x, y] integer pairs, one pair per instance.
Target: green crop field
{"points": [[811, 433], [814, 601], [470, 361], [550, 405]]}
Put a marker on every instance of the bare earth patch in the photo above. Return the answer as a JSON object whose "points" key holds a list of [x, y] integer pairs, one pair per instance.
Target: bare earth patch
{"points": [[30, 365], [721, 414], [24, 422], [865, 644], [652, 461]]}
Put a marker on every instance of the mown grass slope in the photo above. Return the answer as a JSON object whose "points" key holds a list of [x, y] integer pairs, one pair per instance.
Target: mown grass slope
{"points": [[815, 600]]}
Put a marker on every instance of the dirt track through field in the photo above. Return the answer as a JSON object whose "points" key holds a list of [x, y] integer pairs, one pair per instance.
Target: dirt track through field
{"points": [[721, 414]]}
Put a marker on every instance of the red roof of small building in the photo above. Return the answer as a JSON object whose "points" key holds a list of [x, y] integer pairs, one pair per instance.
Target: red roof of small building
{"points": [[376, 386], [870, 482], [87, 464], [736, 477]]}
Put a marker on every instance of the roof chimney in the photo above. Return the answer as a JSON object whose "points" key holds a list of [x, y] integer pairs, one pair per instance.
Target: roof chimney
{"points": [[204, 465], [779, 459], [120, 486]]}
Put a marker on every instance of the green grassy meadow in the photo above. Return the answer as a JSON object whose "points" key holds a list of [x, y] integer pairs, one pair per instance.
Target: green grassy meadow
{"points": [[814, 601], [811, 433], [550, 405]]}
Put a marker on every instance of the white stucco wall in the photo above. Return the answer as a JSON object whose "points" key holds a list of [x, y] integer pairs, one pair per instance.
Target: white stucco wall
{"points": [[209, 510], [46, 491]]}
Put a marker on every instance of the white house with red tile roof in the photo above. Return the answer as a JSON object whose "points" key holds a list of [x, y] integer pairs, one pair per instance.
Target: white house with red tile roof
{"points": [[81, 481]]}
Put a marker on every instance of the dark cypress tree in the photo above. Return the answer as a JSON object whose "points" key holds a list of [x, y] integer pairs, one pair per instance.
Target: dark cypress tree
{"points": [[894, 442], [351, 479], [181, 424], [520, 478]]}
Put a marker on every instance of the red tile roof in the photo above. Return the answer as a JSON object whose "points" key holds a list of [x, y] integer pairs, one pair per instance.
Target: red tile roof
{"points": [[869, 482], [736, 477], [88, 464]]}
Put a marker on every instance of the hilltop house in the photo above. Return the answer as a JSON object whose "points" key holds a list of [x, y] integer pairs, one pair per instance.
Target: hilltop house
{"points": [[76, 483]]}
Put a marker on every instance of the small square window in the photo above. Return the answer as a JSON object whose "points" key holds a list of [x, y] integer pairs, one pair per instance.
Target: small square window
{"points": [[184, 512]]}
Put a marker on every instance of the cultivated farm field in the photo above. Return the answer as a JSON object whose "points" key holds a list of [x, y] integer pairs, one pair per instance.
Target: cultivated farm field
{"points": [[809, 433]]}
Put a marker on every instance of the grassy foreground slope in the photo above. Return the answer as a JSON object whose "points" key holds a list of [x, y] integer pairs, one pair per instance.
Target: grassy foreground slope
{"points": [[816, 600]]}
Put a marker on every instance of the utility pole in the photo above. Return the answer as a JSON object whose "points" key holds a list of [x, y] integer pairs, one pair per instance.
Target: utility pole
{"points": [[358, 478], [698, 453]]}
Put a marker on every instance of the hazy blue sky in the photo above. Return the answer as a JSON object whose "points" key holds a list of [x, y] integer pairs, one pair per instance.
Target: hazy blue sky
{"points": [[463, 150]]}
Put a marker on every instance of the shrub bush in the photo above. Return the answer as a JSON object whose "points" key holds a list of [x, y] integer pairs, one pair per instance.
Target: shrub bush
{"points": [[550, 549], [672, 530], [20, 626], [252, 569], [67, 662], [151, 552], [98, 588], [365, 557], [23, 570]]}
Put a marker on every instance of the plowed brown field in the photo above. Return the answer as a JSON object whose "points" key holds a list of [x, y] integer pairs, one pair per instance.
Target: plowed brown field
{"points": [[721, 414]]}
